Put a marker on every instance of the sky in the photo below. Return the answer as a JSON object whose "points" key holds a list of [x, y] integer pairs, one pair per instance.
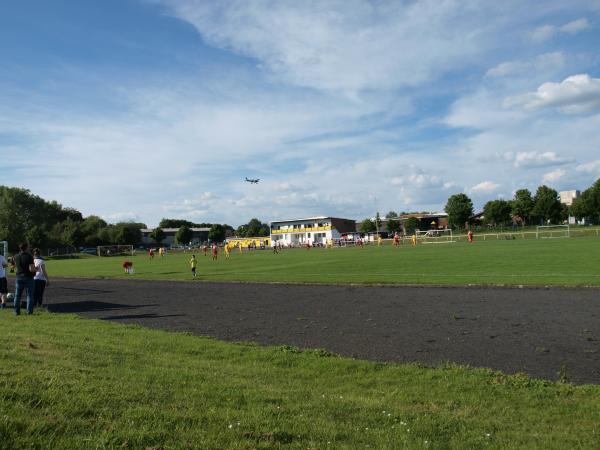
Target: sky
{"points": [[144, 109]]}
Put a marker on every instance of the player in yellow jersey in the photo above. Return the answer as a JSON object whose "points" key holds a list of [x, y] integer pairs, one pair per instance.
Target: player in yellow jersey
{"points": [[379, 240], [193, 264], [226, 250], [414, 239]]}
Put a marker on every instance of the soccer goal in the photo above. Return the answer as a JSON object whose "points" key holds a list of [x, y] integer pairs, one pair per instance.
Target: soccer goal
{"points": [[435, 236], [115, 250], [552, 231]]}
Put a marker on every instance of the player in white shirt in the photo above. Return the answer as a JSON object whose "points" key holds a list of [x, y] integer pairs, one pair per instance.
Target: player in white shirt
{"points": [[40, 278]]}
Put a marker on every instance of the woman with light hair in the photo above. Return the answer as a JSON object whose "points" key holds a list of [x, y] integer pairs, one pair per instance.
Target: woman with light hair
{"points": [[40, 279]]}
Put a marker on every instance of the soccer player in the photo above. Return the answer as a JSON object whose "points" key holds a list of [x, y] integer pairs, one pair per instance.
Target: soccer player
{"points": [[396, 239], [379, 240], [470, 236], [127, 267], [205, 249], [414, 239], [215, 252], [193, 264], [226, 250], [151, 253]]}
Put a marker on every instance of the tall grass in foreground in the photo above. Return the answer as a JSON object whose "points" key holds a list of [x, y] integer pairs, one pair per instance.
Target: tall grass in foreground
{"points": [[67, 382]]}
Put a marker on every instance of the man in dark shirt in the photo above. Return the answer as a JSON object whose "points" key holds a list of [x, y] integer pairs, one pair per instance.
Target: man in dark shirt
{"points": [[24, 278]]}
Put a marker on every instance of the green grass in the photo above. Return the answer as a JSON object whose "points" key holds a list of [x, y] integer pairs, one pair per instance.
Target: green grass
{"points": [[67, 382], [569, 262]]}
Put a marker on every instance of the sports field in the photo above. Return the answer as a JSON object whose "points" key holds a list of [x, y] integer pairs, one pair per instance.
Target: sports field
{"points": [[559, 262]]}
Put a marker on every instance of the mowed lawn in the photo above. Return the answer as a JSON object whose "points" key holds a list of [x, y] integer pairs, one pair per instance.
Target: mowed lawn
{"points": [[568, 262], [68, 382]]}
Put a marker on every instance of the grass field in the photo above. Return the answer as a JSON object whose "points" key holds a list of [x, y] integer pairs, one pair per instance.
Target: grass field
{"points": [[568, 262], [67, 382]]}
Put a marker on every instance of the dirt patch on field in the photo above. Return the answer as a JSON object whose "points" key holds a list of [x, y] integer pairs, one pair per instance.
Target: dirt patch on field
{"points": [[547, 333]]}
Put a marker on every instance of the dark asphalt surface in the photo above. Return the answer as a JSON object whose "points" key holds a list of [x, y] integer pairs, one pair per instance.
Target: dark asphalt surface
{"points": [[542, 332]]}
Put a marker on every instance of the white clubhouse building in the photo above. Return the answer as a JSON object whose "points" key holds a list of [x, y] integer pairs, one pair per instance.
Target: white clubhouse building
{"points": [[312, 230]]}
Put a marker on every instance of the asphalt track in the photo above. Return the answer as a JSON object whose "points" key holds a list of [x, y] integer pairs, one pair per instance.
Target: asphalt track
{"points": [[547, 333]]}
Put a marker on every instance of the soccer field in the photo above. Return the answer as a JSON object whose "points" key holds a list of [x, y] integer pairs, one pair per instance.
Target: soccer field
{"points": [[567, 262]]}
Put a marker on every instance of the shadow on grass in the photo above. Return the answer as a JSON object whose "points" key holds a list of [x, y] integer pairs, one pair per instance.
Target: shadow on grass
{"points": [[90, 306]]}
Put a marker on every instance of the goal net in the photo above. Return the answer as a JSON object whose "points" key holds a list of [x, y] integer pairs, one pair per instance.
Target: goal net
{"points": [[552, 231], [435, 236], [115, 250]]}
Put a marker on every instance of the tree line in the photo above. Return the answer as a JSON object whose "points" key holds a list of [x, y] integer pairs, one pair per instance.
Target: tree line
{"points": [[543, 207], [47, 224], [525, 208]]}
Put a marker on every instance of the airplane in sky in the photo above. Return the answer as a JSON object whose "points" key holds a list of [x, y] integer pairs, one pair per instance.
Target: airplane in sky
{"points": [[252, 180]]}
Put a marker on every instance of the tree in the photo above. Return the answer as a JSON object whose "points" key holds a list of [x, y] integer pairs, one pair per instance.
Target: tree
{"points": [[459, 208], [546, 205], [410, 225], [391, 215], [367, 226], [256, 228], [242, 231], [90, 228], [497, 212], [587, 206], [177, 223], [37, 237], [184, 235], [216, 233], [157, 235], [129, 233], [393, 225], [522, 205]]}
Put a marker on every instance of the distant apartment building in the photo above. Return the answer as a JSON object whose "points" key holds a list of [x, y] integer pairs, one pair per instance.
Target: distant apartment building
{"points": [[198, 235], [311, 230], [568, 197]]}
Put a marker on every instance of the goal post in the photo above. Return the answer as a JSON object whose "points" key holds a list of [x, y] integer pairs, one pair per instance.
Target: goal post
{"points": [[552, 231], [115, 250], [443, 236]]}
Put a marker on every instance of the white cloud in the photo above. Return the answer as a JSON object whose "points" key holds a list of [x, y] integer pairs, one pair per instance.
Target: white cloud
{"points": [[546, 61], [553, 176], [575, 26], [349, 45], [592, 167], [539, 159], [545, 32], [574, 95], [484, 187]]}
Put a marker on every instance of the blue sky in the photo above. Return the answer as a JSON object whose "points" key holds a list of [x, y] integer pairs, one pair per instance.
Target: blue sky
{"points": [[143, 109]]}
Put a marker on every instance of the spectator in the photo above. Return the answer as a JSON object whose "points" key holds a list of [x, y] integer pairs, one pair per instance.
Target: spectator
{"points": [[25, 269], [40, 280]]}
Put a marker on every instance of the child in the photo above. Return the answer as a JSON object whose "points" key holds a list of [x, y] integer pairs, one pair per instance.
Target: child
{"points": [[128, 267], [193, 263]]}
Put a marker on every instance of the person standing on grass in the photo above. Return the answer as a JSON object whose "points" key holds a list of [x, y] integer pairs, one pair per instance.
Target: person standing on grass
{"points": [[25, 269], [193, 264], [215, 252], [470, 236], [3, 282], [40, 279]]}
